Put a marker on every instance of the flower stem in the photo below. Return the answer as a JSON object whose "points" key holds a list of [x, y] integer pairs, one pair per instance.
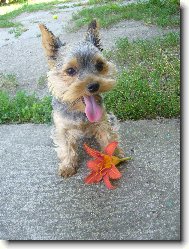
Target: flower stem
{"points": [[125, 159]]}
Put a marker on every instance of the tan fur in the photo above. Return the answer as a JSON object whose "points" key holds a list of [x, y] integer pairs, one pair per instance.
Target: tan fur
{"points": [[70, 90], [93, 33], [65, 137], [49, 42]]}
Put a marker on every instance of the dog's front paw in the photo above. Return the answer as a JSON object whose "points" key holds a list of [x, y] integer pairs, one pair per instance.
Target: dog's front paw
{"points": [[66, 171]]}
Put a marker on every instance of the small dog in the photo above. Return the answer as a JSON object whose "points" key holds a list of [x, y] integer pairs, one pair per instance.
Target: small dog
{"points": [[78, 75]]}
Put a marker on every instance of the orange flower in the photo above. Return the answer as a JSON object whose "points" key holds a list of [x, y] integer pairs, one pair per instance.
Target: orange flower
{"points": [[103, 165]]}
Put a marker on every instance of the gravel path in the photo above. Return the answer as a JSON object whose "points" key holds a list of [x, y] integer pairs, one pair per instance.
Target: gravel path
{"points": [[23, 56]]}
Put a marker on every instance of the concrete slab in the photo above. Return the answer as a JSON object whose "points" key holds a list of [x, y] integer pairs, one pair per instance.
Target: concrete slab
{"points": [[36, 204]]}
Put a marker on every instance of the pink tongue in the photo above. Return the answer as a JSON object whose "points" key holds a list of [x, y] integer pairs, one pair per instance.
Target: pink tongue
{"points": [[92, 110]]}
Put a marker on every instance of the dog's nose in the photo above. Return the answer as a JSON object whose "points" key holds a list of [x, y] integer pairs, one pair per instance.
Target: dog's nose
{"points": [[93, 87]]}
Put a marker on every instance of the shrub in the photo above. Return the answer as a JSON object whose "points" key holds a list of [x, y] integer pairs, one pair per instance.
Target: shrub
{"points": [[24, 108]]}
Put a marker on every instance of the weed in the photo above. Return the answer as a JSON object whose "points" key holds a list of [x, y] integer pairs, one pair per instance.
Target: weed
{"points": [[24, 108], [162, 15], [17, 31], [92, 2], [42, 81], [151, 85], [8, 82], [38, 35]]}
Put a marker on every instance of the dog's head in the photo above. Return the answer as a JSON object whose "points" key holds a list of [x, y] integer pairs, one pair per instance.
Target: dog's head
{"points": [[78, 72]]}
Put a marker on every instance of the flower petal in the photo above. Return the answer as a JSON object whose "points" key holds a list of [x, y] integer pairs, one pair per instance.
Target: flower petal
{"points": [[107, 182], [99, 177], [110, 148], [93, 165], [92, 178], [104, 171], [92, 152], [114, 173]]}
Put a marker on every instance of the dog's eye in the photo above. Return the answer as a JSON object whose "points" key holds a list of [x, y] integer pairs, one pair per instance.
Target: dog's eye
{"points": [[71, 71], [99, 66]]}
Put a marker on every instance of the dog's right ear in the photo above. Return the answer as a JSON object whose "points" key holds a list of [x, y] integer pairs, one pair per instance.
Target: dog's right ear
{"points": [[50, 43]]}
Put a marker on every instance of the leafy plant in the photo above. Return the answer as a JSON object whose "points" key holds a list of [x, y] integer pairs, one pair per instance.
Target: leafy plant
{"points": [[18, 30], [150, 87], [24, 108], [161, 13]]}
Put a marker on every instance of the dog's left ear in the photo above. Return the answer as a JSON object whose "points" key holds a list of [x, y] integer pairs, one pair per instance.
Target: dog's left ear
{"points": [[93, 36], [50, 43]]}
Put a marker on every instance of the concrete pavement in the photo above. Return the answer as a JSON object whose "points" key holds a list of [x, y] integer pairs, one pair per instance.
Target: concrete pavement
{"points": [[36, 204]]}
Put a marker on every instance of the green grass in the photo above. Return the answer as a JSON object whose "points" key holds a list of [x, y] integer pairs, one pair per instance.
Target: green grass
{"points": [[15, 1], [6, 19], [150, 87], [18, 30], [24, 108], [91, 2], [161, 13]]}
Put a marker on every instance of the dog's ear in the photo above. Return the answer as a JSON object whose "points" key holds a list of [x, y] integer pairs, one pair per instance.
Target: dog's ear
{"points": [[50, 43], [92, 34]]}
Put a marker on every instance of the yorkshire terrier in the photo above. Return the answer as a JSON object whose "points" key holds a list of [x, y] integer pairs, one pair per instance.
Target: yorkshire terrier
{"points": [[78, 75]]}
